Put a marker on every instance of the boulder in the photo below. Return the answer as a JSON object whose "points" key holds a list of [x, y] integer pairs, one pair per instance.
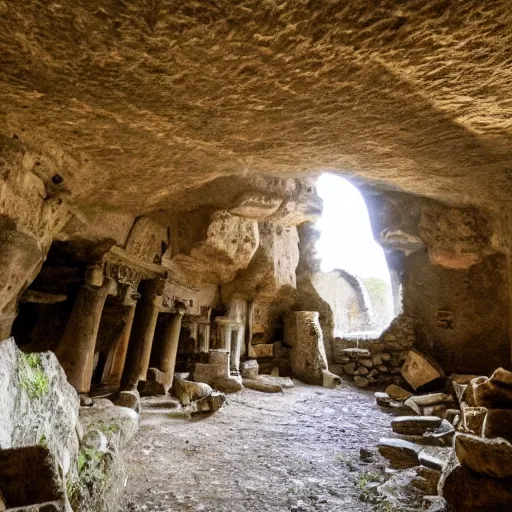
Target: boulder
{"points": [[361, 382], [491, 457], [397, 393], [350, 368], [401, 454], [249, 369], [466, 491], [415, 425], [123, 421], [37, 402], [418, 370], [208, 404], [498, 423], [494, 392]]}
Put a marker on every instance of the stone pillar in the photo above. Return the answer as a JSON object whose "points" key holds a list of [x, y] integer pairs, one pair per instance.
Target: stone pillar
{"points": [[235, 350], [169, 346], [116, 359], [203, 333], [141, 338], [76, 348]]}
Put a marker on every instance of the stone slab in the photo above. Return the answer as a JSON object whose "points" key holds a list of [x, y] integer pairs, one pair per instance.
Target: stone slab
{"points": [[415, 425], [401, 454], [417, 370]]}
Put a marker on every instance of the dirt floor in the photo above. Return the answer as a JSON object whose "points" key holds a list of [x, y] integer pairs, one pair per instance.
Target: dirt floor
{"points": [[297, 451]]}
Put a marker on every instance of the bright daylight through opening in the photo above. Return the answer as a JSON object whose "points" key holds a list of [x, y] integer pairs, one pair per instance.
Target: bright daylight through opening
{"points": [[347, 246]]}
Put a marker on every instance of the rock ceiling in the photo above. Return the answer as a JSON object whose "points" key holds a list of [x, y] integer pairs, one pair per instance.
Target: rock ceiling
{"points": [[145, 104]]}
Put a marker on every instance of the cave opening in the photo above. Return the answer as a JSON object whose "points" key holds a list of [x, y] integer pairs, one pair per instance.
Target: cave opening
{"points": [[356, 280]]}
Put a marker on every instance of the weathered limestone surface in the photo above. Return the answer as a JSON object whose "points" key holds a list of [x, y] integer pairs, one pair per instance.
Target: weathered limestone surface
{"points": [[307, 357], [38, 405]]}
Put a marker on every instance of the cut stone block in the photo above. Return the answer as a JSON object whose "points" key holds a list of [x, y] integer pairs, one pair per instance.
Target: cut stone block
{"points": [[204, 372], [401, 454], [498, 423], [466, 491], [30, 480], [415, 425], [417, 370], [492, 457], [263, 350]]}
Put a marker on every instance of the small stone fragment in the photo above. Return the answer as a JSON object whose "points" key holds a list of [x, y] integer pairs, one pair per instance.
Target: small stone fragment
{"points": [[383, 399]]}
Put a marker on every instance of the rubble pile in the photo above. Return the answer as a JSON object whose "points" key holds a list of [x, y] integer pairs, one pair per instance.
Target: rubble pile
{"points": [[461, 435]]}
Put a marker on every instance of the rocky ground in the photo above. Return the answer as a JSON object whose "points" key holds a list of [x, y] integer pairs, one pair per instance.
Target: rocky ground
{"points": [[296, 451]]}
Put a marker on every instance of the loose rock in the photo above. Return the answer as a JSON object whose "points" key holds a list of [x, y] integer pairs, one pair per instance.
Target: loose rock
{"points": [[401, 454]]}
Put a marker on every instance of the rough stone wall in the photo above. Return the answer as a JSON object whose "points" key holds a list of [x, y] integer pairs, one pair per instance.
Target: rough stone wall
{"points": [[452, 265], [350, 305], [38, 405], [461, 315]]}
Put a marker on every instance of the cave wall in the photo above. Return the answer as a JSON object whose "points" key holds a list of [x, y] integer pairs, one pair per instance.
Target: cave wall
{"points": [[453, 267]]}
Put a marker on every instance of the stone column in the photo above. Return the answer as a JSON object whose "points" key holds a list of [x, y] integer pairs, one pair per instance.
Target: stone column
{"points": [[143, 331], [169, 346], [116, 359], [76, 348], [203, 336], [235, 351]]}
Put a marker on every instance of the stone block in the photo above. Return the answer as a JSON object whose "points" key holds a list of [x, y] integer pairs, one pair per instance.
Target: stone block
{"points": [[230, 385], [382, 399], [361, 382], [401, 454], [30, 480], [491, 457], [261, 385], [415, 425], [398, 393], [466, 491], [498, 423], [356, 353], [418, 370], [130, 399], [493, 393], [435, 457], [249, 369], [218, 356], [210, 372], [473, 419], [330, 380], [265, 350]]}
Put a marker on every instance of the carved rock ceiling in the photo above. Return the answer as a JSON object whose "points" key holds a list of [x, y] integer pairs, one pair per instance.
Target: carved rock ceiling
{"points": [[139, 104]]}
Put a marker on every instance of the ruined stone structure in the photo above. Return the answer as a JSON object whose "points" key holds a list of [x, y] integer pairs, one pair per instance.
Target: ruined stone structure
{"points": [[157, 200]]}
